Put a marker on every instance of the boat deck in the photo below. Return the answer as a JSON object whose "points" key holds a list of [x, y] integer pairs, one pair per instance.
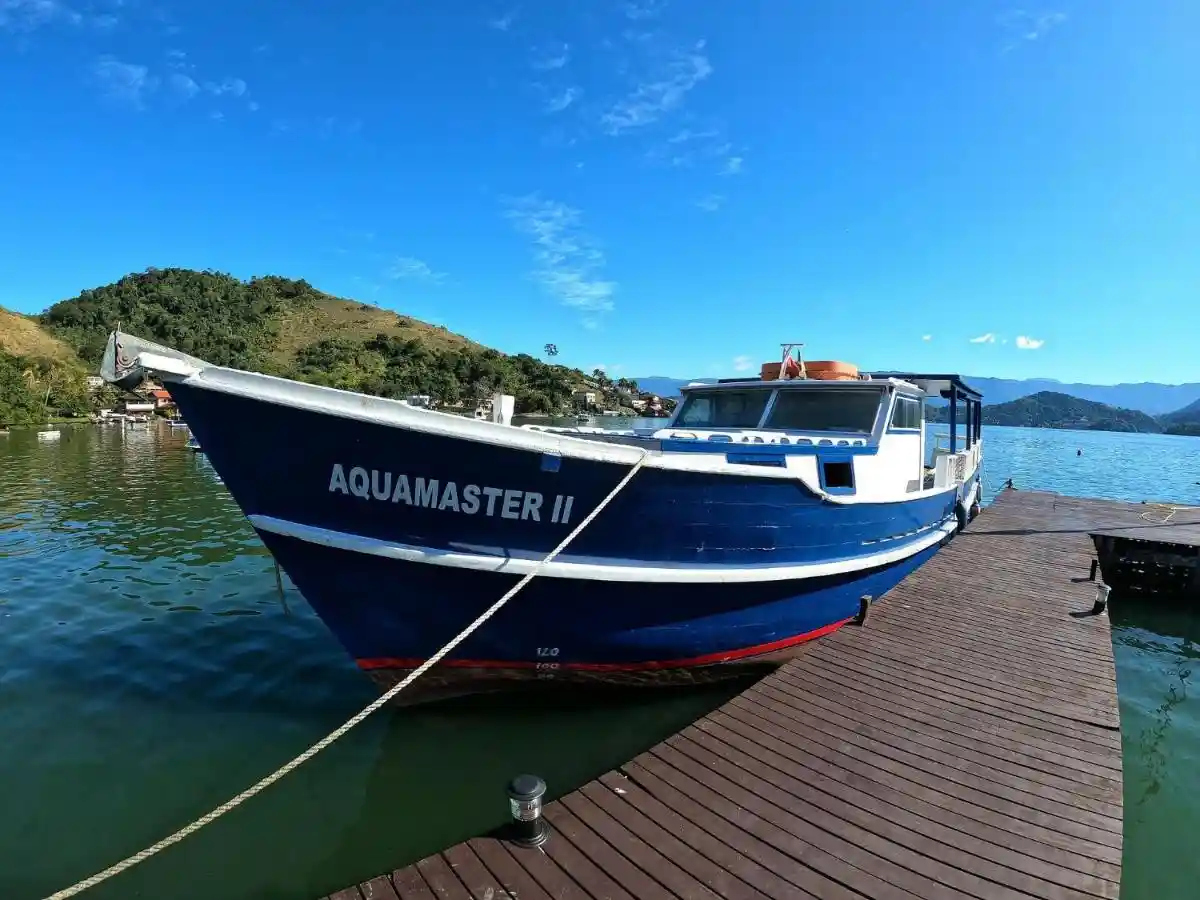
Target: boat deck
{"points": [[963, 743]]}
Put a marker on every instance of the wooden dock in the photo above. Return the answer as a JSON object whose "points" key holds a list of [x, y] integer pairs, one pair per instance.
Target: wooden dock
{"points": [[963, 743], [1148, 548]]}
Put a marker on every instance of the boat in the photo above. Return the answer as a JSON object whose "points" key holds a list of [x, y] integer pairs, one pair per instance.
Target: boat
{"points": [[759, 517], [193, 444], [177, 423]]}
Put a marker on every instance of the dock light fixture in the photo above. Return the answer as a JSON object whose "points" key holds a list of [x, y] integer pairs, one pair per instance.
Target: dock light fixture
{"points": [[1102, 592], [525, 794]]}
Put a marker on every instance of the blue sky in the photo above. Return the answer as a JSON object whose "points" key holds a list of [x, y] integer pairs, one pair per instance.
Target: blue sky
{"points": [[665, 188]]}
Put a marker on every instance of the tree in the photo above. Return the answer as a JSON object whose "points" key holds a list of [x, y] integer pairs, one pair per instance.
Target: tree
{"points": [[551, 349]]}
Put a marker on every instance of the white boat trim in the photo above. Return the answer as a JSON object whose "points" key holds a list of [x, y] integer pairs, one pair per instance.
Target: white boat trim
{"points": [[394, 413], [591, 568]]}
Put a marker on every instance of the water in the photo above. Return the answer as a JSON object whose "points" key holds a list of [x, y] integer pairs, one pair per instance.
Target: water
{"points": [[149, 671]]}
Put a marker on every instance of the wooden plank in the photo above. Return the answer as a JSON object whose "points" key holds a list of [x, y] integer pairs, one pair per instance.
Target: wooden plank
{"points": [[480, 883], [898, 817], [515, 881], [410, 885], [378, 888], [613, 868], [963, 743], [621, 809], [441, 878]]}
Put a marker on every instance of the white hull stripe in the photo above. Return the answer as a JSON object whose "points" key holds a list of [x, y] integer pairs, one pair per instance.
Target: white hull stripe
{"points": [[598, 568]]}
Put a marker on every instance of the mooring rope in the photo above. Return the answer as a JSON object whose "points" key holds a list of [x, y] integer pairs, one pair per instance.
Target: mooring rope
{"points": [[142, 855], [1166, 510]]}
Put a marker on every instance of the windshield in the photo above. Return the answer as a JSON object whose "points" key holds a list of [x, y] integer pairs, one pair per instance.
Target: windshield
{"points": [[723, 409], [851, 411]]}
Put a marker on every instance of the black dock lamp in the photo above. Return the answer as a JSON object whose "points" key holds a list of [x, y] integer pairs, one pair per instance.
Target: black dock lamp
{"points": [[525, 794]]}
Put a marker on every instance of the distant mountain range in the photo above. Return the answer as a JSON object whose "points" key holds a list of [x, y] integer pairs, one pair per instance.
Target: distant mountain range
{"points": [[1147, 396], [1049, 409]]}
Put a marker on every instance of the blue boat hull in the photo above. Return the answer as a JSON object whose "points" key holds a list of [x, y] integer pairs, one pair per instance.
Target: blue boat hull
{"points": [[385, 493], [392, 615]]}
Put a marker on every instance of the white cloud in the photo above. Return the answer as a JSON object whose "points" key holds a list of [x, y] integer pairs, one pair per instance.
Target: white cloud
{"points": [[28, 15], [552, 56], [662, 90], [1028, 343], [184, 85], [567, 258], [411, 268], [927, 337], [504, 22], [644, 9], [232, 86], [561, 100], [177, 59], [1026, 26], [743, 364], [711, 203], [689, 146], [988, 338], [252, 106], [126, 82]]}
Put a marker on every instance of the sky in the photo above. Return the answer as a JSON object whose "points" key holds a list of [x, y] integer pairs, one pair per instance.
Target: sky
{"points": [[658, 187]]}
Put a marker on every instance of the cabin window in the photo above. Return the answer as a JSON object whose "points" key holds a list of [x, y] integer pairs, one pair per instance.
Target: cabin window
{"points": [[723, 409], [907, 414], [847, 411], [838, 475]]}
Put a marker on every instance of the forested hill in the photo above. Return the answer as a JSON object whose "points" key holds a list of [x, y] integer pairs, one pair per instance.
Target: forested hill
{"points": [[276, 325], [287, 327], [1049, 409], [40, 376]]}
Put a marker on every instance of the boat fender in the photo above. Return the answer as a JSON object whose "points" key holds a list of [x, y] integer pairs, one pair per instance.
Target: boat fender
{"points": [[960, 513]]}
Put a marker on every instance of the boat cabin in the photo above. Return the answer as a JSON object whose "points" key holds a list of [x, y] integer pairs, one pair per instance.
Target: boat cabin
{"points": [[856, 434]]}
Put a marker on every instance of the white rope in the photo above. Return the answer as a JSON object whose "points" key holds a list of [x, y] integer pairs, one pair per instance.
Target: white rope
{"points": [[1166, 510], [142, 855]]}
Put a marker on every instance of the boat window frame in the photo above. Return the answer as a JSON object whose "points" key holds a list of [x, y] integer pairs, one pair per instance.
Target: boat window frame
{"points": [[676, 420], [882, 407], [905, 429]]}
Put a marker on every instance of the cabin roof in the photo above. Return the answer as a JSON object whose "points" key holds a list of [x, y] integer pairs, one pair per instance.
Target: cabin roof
{"points": [[934, 384]]}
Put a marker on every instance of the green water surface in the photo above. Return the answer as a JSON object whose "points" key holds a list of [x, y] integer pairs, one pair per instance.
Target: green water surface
{"points": [[149, 670]]}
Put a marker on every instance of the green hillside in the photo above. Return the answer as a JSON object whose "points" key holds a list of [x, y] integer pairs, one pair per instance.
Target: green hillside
{"points": [[40, 376], [287, 327], [1183, 421], [1049, 409]]}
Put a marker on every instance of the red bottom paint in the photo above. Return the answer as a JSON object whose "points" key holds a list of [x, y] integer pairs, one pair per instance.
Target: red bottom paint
{"points": [[745, 654]]}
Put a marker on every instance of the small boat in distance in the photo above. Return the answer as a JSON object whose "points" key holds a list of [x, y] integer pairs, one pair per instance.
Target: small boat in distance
{"points": [[761, 514]]}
